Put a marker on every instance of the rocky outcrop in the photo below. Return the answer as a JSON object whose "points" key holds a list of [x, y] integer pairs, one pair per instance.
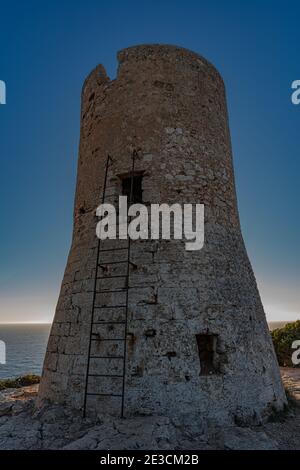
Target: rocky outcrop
{"points": [[22, 426]]}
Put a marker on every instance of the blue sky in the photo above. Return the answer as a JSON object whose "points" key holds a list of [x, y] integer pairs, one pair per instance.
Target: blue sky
{"points": [[46, 51]]}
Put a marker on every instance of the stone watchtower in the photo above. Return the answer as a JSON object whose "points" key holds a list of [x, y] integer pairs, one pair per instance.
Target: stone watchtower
{"points": [[156, 329]]}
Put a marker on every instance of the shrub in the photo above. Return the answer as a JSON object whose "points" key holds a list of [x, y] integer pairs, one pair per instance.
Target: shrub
{"points": [[283, 339], [23, 381]]}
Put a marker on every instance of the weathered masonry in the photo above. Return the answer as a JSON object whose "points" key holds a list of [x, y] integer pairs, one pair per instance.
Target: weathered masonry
{"points": [[147, 327]]}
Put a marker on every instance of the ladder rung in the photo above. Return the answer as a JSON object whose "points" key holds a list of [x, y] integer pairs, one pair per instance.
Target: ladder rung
{"points": [[113, 249], [107, 339], [113, 262], [105, 291], [112, 277], [106, 357], [110, 306], [105, 375], [103, 394]]}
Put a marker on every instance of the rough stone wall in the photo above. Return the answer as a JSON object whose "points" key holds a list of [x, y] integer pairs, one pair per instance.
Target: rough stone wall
{"points": [[169, 103]]}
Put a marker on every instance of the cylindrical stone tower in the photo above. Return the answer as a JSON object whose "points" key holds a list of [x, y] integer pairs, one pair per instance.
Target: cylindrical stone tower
{"points": [[197, 340]]}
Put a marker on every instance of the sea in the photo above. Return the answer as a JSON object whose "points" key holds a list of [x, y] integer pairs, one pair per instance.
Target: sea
{"points": [[26, 346]]}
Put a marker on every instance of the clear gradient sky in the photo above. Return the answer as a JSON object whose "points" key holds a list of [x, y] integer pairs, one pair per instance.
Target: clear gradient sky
{"points": [[47, 48]]}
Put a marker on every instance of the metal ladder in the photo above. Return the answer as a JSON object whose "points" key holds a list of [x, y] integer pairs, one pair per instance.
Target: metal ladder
{"points": [[111, 316]]}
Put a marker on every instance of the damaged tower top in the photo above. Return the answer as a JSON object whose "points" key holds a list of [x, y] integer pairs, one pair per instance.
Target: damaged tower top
{"points": [[145, 326]]}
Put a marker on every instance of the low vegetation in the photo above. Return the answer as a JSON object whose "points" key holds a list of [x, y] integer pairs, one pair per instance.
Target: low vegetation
{"points": [[17, 382], [283, 339]]}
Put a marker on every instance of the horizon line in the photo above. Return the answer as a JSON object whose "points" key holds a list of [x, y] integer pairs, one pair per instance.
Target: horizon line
{"points": [[26, 323]]}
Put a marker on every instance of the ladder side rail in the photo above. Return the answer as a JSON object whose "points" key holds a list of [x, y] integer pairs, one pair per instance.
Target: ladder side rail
{"points": [[94, 297], [127, 288]]}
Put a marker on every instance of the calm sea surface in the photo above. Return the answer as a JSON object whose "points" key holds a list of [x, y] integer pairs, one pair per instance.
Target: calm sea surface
{"points": [[25, 349], [26, 346]]}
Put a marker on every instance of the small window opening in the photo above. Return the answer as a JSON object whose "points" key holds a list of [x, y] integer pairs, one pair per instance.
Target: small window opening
{"points": [[137, 192], [207, 353]]}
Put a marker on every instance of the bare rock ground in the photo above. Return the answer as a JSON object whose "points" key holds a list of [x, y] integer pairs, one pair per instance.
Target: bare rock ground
{"points": [[22, 426], [285, 428]]}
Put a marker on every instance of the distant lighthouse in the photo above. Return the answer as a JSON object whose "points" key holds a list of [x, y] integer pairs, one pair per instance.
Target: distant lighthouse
{"points": [[145, 326]]}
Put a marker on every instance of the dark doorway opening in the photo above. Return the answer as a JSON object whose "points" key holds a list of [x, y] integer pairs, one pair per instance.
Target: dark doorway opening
{"points": [[207, 344]]}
